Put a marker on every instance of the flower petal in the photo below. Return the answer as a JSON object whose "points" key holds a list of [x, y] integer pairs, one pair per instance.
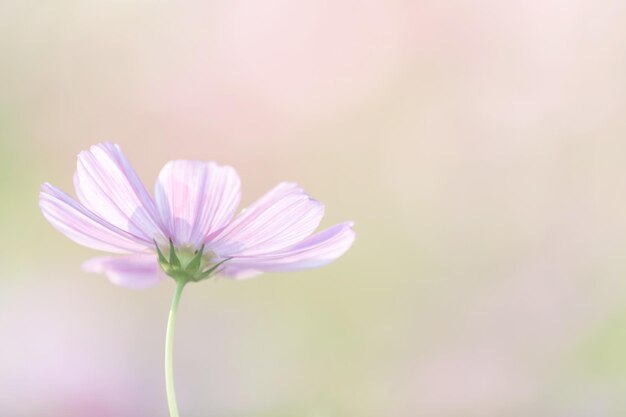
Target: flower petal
{"points": [[196, 199], [136, 271], [107, 184], [281, 218], [84, 227], [318, 250], [239, 272]]}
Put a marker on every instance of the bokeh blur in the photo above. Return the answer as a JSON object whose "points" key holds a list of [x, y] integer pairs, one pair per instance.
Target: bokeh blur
{"points": [[479, 146]]}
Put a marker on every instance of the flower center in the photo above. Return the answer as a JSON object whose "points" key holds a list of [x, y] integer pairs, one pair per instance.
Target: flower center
{"points": [[188, 264]]}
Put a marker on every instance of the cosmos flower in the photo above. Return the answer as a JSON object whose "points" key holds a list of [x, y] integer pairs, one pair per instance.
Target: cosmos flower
{"points": [[189, 230]]}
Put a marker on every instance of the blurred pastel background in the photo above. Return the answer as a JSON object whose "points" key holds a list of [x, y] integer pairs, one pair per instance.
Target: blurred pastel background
{"points": [[479, 146]]}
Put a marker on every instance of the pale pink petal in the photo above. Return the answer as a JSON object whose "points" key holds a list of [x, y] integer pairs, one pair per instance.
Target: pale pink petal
{"points": [[107, 184], [84, 227], [136, 271], [318, 250], [238, 272], [281, 218], [196, 199]]}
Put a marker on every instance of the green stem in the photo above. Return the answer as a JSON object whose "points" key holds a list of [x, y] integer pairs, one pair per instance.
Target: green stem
{"points": [[169, 348]]}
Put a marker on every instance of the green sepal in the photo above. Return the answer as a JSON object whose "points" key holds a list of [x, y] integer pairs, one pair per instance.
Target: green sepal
{"points": [[162, 260], [194, 265], [209, 271], [191, 270], [180, 275], [174, 261]]}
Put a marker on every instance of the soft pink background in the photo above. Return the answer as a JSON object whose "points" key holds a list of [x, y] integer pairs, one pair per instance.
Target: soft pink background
{"points": [[479, 146]]}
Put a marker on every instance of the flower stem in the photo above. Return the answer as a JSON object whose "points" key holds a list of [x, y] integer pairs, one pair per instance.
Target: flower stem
{"points": [[169, 348]]}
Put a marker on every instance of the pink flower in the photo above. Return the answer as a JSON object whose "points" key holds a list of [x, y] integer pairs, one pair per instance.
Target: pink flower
{"points": [[189, 229]]}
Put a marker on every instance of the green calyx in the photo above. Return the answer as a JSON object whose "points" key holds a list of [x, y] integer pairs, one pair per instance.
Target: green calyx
{"points": [[187, 264]]}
